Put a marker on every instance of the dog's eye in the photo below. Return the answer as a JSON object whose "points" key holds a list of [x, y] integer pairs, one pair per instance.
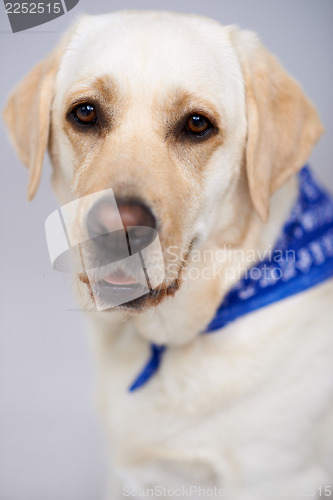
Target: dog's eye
{"points": [[198, 125], [85, 114]]}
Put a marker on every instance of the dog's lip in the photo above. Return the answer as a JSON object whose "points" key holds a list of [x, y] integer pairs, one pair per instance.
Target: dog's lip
{"points": [[119, 278], [106, 290]]}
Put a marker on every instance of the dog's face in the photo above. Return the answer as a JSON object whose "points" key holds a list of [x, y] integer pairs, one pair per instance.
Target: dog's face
{"points": [[166, 115], [190, 123]]}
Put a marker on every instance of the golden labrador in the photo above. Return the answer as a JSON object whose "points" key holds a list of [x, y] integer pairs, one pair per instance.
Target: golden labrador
{"points": [[200, 133]]}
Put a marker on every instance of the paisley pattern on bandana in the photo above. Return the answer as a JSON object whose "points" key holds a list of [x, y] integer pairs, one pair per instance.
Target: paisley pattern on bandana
{"points": [[302, 258]]}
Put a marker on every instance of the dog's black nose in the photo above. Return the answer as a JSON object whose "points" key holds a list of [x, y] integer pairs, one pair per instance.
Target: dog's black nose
{"points": [[137, 218]]}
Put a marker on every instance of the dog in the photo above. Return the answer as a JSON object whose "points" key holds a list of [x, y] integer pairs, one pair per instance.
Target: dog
{"points": [[201, 135]]}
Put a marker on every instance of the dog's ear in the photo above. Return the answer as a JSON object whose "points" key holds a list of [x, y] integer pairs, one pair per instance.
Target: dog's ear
{"points": [[283, 125], [27, 116], [28, 113]]}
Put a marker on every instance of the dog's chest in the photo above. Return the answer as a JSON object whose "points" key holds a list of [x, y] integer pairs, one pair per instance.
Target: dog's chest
{"points": [[253, 390]]}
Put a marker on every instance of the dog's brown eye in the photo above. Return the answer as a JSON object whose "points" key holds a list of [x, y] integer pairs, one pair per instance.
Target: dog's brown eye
{"points": [[198, 124], [85, 113]]}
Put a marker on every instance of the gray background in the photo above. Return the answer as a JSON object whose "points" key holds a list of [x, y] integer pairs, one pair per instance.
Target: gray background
{"points": [[51, 443]]}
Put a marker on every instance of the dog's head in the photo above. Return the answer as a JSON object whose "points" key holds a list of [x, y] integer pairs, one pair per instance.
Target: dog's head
{"points": [[193, 125]]}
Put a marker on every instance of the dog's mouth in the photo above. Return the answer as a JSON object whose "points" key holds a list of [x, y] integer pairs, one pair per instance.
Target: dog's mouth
{"points": [[117, 290], [119, 279], [117, 286], [122, 287]]}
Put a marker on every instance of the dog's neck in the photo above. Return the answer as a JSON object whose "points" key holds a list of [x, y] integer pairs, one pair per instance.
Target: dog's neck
{"points": [[171, 323]]}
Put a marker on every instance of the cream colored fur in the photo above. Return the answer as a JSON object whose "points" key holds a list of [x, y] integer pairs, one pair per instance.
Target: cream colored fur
{"points": [[247, 409]]}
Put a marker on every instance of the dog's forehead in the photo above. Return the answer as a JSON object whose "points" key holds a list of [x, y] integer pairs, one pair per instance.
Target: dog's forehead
{"points": [[146, 50]]}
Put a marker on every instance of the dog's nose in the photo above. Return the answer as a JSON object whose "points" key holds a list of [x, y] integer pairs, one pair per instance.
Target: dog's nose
{"points": [[135, 213], [136, 217]]}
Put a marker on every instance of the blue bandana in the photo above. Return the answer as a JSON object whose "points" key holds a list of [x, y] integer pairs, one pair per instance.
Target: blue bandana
{"points": [[307, 236]]}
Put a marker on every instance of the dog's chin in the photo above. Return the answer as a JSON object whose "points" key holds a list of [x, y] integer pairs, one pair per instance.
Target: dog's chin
{"points": [[151, 299]]}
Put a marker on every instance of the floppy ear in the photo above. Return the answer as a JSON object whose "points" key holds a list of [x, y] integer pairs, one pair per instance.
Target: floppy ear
{"points": [[28, 113], [283, 125], [27, 116]]}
